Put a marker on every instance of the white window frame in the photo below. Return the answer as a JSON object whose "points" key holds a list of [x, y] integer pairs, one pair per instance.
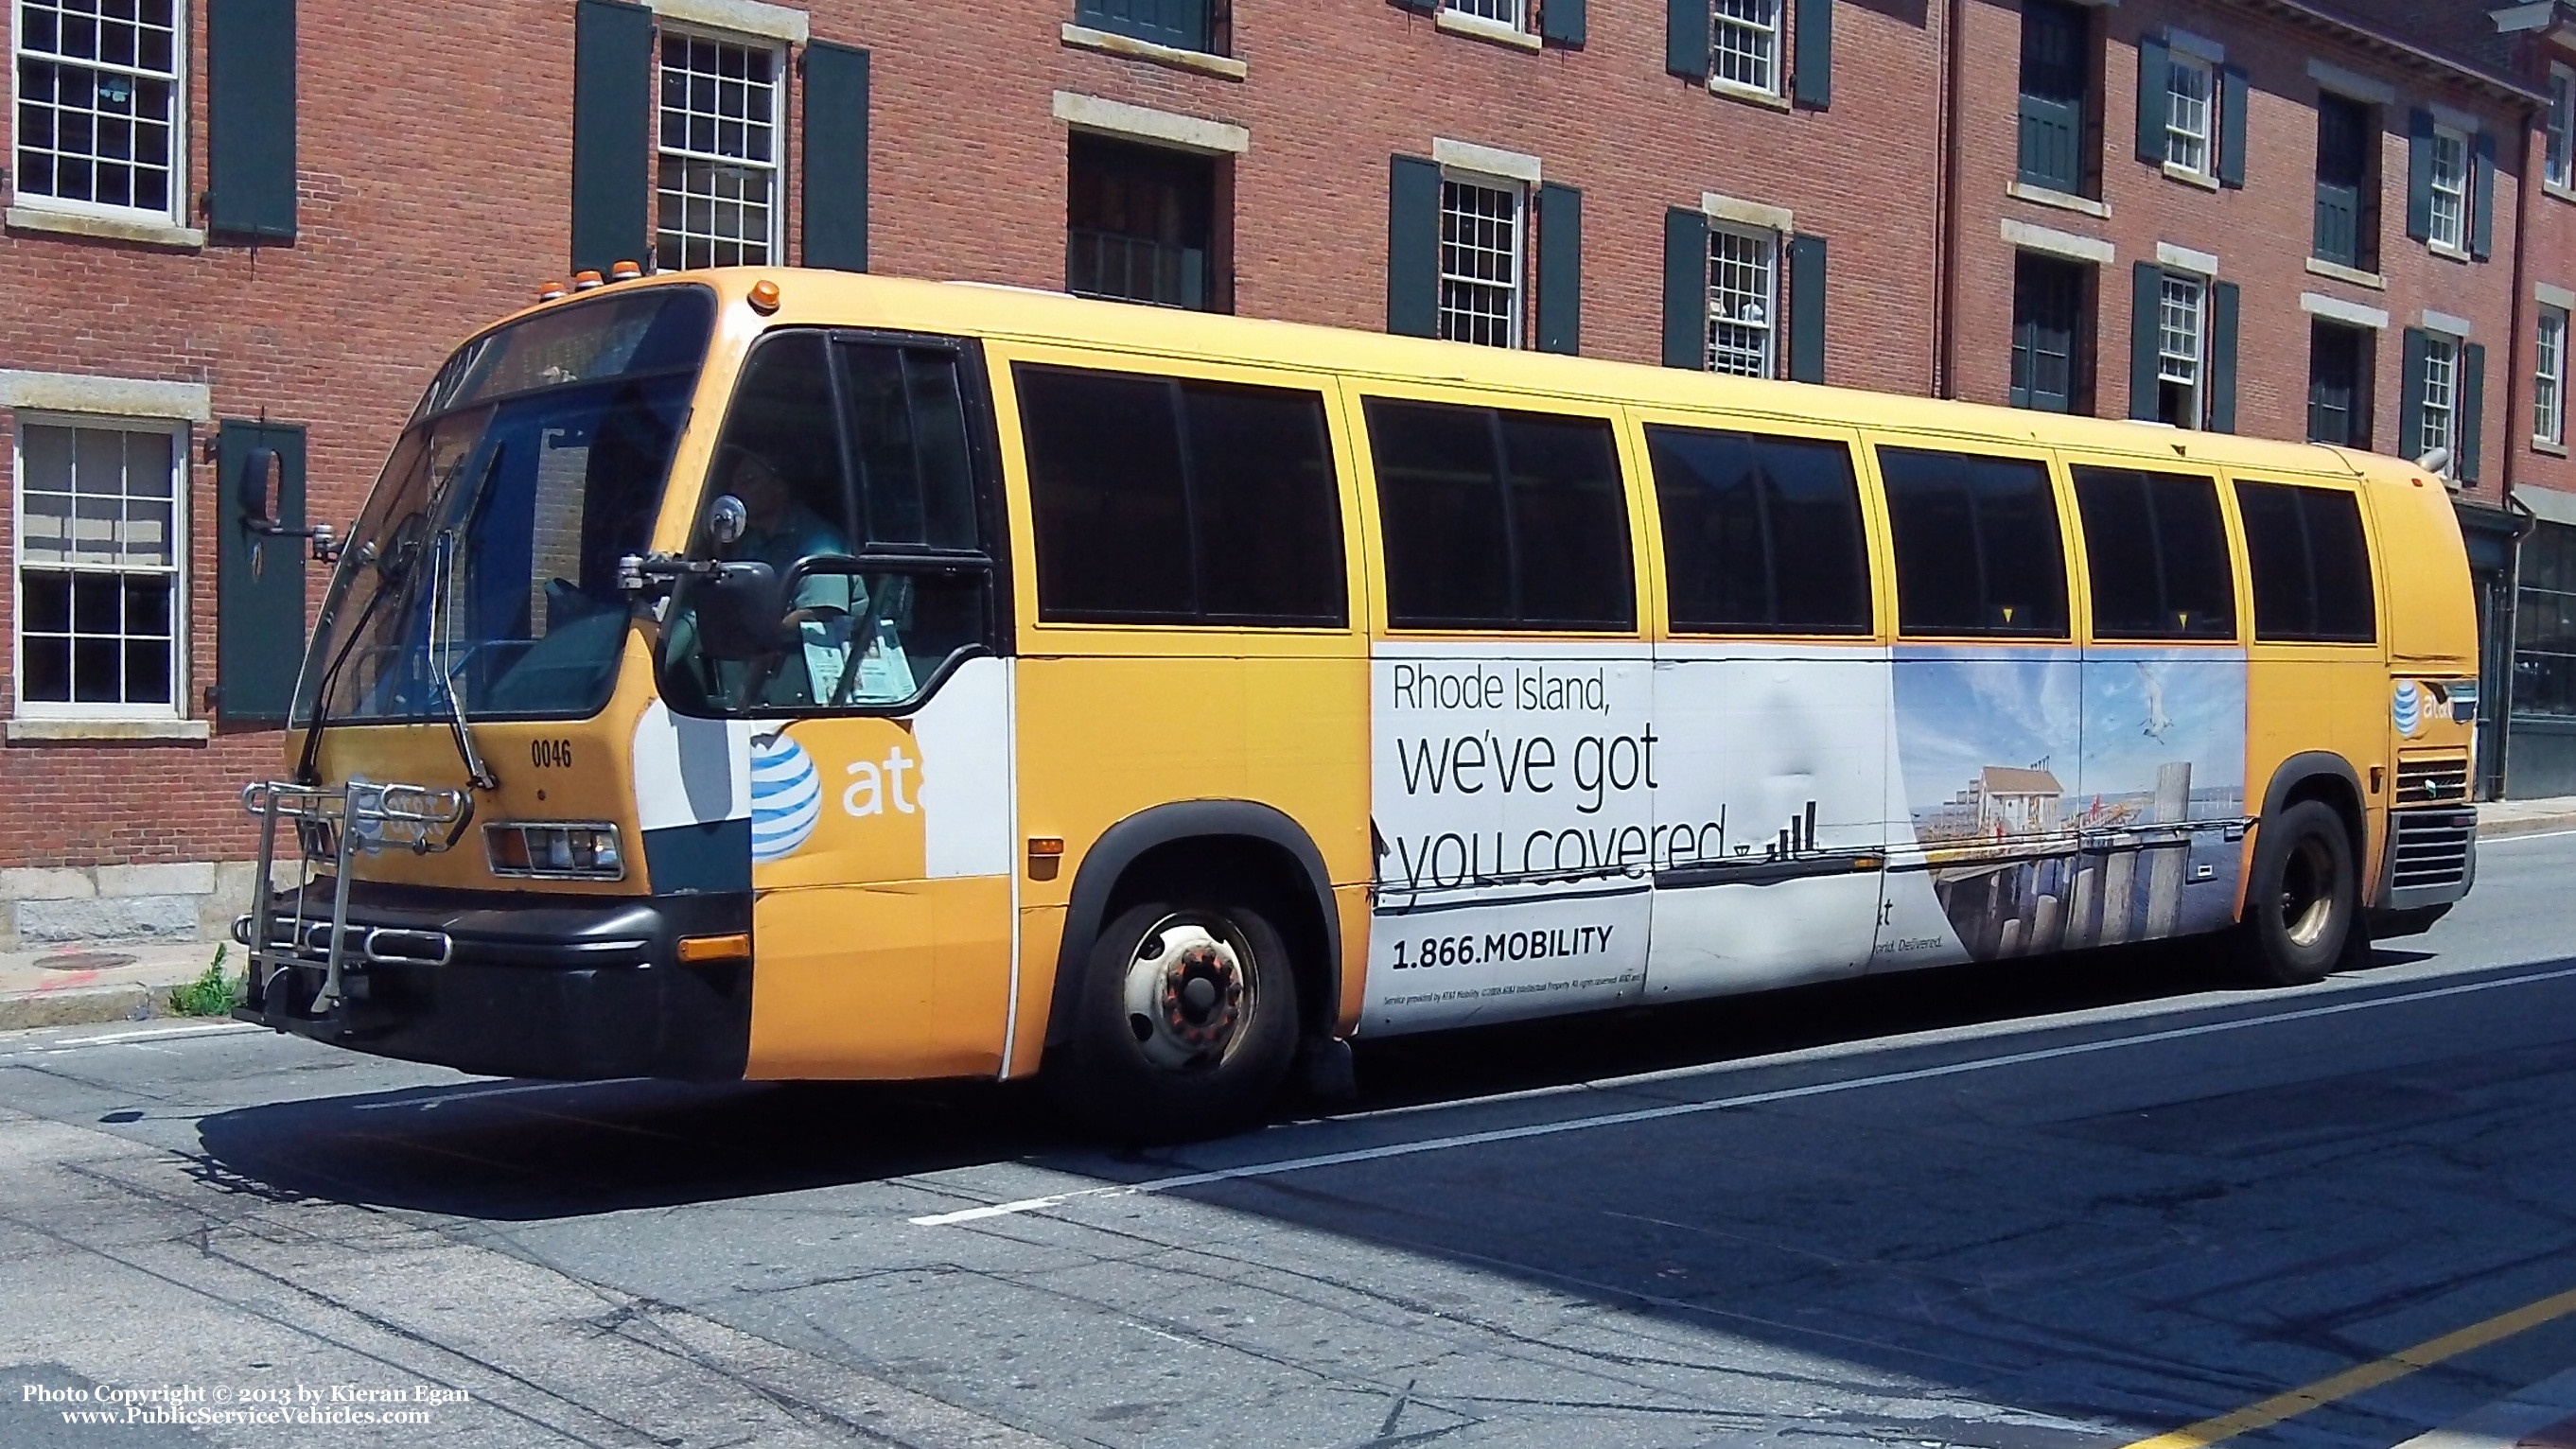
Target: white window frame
{"points": [[2180, 65], [776, 166], [175, 212], [2437, 422], [1517, 295], [1765, 326], [2445, 139], [2185, 293], [1519, 17], [178, 432], [1762, 29], [2558, 164], [2549, 378]]}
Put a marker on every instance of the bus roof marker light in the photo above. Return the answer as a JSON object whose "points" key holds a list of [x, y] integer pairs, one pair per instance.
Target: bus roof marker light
{"points": [[624, 272], [764, 296], [551, 292], [585, 281]]}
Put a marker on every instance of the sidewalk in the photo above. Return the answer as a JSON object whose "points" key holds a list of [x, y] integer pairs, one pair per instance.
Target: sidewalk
{"points": [[2526, 817]]}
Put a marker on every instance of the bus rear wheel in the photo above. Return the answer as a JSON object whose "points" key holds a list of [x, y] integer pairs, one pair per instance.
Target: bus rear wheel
{"points": [[2303, 903], [1184, 1026]]}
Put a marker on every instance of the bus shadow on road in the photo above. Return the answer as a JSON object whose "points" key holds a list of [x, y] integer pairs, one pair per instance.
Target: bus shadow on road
{"points": [[516, 1151]]}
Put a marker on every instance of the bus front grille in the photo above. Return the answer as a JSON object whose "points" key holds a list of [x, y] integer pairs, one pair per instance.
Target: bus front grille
{"points": [[2432, 780], [2431, 848]]}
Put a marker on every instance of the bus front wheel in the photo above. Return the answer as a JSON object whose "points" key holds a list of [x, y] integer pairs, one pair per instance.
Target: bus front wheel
{"points": [[1184, 1026], [2303, 902]]}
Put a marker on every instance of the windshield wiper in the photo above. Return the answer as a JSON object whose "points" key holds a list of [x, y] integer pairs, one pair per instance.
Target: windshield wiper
{"points": [[445, 554], [305, 771]]}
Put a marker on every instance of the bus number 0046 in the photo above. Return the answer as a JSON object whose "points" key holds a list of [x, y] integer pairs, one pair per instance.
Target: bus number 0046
{"points": [[550, 754]]}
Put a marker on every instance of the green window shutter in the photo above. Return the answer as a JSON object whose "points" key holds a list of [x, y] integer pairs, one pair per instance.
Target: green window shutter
{"points": [[836, 157], [2410, 395], [1686, 289], [2222, 357], [2234, 95], [1806, 308], [259, 578], [1814, 54], [1423, 7], [1562, 22], [1686, 39], [2419, 175], [1413, 247], [2471, 407], [2155, 89], [250, 113], [2482, 196], [1560, 269], [612, 134], [2146, 308]]}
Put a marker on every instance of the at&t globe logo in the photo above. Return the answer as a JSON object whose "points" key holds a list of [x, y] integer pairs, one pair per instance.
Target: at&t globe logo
{"points": [[786, 797], [2407, 710]]}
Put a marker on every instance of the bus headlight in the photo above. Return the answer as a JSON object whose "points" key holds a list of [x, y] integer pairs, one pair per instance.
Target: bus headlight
{"points": [[566, 850]]}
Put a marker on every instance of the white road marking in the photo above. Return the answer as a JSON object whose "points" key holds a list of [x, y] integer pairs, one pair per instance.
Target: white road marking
{"points": [[211, 1028], [425, 1103], [2504, 1423], [1721, 1104], [2486, 840]]}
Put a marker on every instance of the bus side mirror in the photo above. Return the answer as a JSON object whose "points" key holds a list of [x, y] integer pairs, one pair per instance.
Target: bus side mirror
{"points": [[738, 607], [256, 489]]}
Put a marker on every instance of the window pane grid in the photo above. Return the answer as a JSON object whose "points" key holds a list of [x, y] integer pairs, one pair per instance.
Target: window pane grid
{"points": [[2560, 167], [2549, 381], [1504, 12], [1745, 43], [1480, 264], [96, 82], [2441, 358], [1742, 310], [2450, 188], [2178, 332], [2187, 115], [718, 173], [98, 566]]}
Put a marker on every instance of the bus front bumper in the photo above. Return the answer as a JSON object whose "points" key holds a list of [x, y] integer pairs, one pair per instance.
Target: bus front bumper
{"points": [[570, 988]]}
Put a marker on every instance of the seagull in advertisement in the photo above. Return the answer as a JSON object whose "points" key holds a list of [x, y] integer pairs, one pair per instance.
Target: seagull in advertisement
{"points": [[2157, 720]]}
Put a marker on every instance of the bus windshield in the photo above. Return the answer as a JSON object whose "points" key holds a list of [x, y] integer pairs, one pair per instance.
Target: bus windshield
{"points": [[482, 576]]}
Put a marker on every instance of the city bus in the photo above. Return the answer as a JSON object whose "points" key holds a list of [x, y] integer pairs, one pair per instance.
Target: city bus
{"points": [[778, 674]]}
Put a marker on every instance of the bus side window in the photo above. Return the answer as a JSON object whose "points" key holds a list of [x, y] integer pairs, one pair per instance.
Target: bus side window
{"points": [[2310, 564], [2156, 551], [1978, 550], [1181, 501], [907, 425], [1761, 534], [1501, 519]]}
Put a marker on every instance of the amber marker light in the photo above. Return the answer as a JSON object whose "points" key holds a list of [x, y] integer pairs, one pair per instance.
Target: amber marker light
{"points": [[585, 281], [698, 950], [551, 292], [764, 296], [624, 272]]}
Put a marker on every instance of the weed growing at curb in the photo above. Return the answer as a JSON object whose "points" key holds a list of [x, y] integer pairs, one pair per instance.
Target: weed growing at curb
{"points": [[211, 994]]}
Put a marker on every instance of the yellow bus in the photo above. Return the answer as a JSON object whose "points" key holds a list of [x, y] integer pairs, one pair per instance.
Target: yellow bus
{"points": [[778, 674]]}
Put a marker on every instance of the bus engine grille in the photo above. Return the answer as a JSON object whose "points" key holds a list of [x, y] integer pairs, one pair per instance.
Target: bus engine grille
{"points": [[2433, 780], [2432, 847]]}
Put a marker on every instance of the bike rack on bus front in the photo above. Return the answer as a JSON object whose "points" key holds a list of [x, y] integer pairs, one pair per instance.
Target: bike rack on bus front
{"points": [[359, 817]]}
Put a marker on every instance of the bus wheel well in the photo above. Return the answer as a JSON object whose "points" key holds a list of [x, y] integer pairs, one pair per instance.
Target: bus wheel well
{"points": [[1242, 870], [2336, 794]]}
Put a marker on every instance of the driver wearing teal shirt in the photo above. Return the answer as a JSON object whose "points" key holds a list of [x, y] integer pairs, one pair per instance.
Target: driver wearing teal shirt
{"points": [[824, 609]]}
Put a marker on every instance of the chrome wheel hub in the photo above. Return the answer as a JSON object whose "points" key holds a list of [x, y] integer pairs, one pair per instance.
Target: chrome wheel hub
{"points": [[2307, 893], [1187, 994]]}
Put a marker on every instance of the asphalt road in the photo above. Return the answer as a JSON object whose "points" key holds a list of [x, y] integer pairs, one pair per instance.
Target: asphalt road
{"points": [[2076, 1202]]}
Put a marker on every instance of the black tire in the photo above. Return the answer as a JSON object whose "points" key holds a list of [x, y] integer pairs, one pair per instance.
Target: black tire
{"points": [[1190, 1070], [2303, 904]]}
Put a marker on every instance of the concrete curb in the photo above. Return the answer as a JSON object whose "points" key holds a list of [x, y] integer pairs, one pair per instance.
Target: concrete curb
{"points": [[2525, 825], [83, 1005]]}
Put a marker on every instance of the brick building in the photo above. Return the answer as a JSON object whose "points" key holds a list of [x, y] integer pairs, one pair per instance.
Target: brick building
{"points": [[240, 224]]}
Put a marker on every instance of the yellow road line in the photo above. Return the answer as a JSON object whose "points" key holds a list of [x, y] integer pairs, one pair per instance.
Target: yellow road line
{"points": [[2363, 1377]]}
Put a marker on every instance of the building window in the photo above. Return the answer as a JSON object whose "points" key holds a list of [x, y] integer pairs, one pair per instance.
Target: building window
{"points": [[1181, 24], [2549, 377], [2544, 651], [2339, 369], [2441, 378], [2179, 334], [2449, 188], [98, 106], [1480, 262], [1743, 300], [2347, 214], [98, 567], [2050, 361], [2560, 168], [1514, 14], [2056, 95], [1744, 37], [718, 183], [1139, 223], [2188, 111]]}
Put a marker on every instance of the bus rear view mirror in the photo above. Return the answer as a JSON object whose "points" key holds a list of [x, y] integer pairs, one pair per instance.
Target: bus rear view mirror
{"points": [[738, 608]]}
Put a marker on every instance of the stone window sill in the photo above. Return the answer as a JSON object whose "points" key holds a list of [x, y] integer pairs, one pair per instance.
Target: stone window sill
{"points": [[1083, 37], [1477, 27], [2189, 177], [40, 729], [2061, 200], [1750, 95], [2448, 253], [110, 228], [2318, 266], [2543, 445]]}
